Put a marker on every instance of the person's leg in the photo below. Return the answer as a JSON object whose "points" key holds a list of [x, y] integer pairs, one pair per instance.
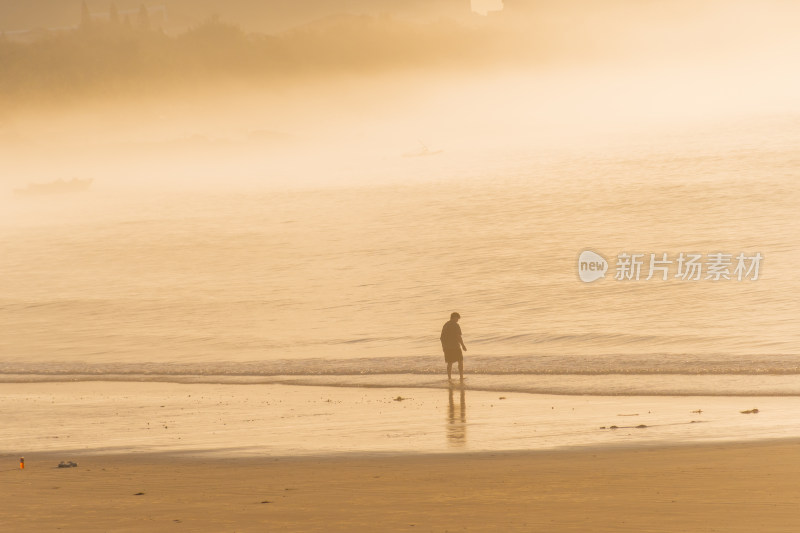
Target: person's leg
{"points": [[461, 369], [449, 370]]}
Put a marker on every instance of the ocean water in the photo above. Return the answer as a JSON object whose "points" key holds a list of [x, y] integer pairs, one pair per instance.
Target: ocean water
{"points": [[350, 285]]}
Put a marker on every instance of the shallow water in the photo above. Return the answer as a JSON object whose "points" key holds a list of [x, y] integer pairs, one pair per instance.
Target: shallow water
{"points": [[353, 280]]}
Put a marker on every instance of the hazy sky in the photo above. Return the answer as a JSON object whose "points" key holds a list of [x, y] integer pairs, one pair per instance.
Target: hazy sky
{"points": [[566, 75], [484, 6]]}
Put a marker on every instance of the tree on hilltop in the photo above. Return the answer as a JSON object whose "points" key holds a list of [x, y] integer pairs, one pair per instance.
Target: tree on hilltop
{"points": [[86, 17], [143, 19], [113, 14]]}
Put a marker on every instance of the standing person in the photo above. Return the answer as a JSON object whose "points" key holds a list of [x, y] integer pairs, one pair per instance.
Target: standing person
{"points": [[452, 345]]}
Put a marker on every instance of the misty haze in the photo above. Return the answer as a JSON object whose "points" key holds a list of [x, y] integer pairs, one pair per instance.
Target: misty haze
{"points": [[234, 229]]}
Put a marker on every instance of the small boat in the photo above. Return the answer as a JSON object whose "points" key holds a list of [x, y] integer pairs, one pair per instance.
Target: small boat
{"points": [[422, 151], [55, 187]]}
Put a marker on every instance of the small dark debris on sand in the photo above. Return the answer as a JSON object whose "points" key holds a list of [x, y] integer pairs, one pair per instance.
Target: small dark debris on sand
{"points": [[400, 399], [139, 494], [266, 501], [67, 464], [749, 412]]}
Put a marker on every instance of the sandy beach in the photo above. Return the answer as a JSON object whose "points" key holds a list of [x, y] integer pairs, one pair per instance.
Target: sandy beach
{"points": [[731, 487], [90, 417], [202, 457], [243, 244]]}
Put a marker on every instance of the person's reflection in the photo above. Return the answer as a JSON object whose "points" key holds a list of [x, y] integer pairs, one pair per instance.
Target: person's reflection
{"points": [[457, 419]]}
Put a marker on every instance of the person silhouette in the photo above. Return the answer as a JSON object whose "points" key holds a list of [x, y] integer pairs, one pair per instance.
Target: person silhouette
{"points": [[452, 343]]}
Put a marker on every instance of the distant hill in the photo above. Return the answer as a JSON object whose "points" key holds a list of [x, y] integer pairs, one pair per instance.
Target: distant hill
{"points": [[268, 16], [105, 57]]}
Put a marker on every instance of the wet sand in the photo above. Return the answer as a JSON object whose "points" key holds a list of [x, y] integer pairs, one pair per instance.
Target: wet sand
{"points": [[730, 487], [202, 457], [83, 418]]}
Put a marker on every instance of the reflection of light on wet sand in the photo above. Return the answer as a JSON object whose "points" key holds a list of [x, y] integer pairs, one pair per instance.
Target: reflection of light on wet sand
{"points": [[293, 420], [457, 418]]}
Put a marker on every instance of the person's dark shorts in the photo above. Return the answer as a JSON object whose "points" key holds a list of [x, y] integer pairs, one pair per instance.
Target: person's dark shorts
{"points": [[453, 354]]}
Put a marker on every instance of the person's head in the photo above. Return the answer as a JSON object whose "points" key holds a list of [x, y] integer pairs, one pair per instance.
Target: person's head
{"points": [[454, 317]]}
